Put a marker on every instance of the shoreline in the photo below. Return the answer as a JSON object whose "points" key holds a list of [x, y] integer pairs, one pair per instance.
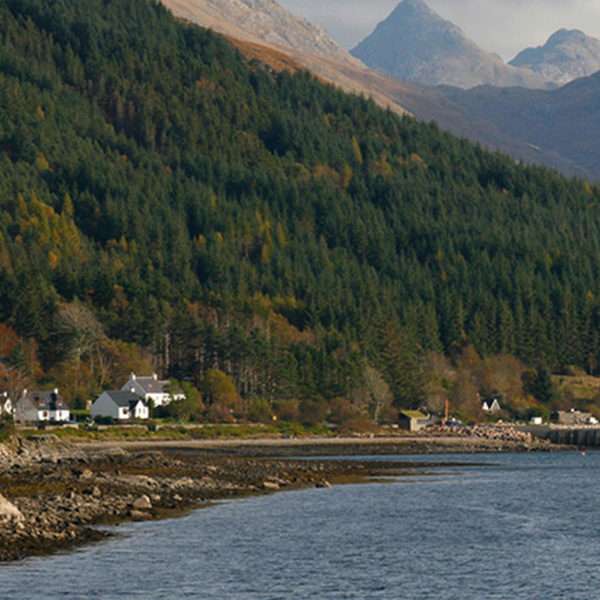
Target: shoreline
{"points": [[54, 495]]}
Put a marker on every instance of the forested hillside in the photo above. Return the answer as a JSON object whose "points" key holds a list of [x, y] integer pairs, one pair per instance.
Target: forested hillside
{"points": [[166, 204]]}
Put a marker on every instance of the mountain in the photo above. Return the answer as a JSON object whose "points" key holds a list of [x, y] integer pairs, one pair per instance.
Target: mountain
{"points": [[269, 31], [249, 29], [565, 121], [416, 44], [567, 55]]}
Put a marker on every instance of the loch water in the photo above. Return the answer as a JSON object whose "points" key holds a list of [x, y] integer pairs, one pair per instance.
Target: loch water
{"points": [[508, 526]]}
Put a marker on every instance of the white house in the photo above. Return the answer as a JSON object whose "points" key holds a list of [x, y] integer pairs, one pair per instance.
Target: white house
{"points": [[41, 407], [152, 388], [120, 405], [491, 405], [6, 406]]}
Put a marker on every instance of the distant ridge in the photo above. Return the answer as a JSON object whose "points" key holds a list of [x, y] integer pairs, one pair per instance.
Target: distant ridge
{"points": [[248, 27], [567, 55], [415, 43], [564, 120]]}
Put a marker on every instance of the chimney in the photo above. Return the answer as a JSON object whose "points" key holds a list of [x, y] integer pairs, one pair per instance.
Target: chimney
{"points": [[154, 376], [133, 376]]}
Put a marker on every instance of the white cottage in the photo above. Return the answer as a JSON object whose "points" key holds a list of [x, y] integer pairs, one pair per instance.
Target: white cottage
{"points": [[41, 407], [152, 388], [491, 405], [6, 406], [120, 405]]}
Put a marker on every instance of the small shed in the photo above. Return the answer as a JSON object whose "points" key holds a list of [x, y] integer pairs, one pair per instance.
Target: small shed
{"points": [[412, 420]]}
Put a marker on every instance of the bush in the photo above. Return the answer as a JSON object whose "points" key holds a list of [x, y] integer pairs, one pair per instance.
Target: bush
{"points": [[7, 428], [259, 411], [219, 413], [313, 411], [288, 410]]}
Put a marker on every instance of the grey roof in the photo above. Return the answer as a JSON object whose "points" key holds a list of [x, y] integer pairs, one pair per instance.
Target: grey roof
{"points": [[123, 398], [151, 385], [47, 401]]}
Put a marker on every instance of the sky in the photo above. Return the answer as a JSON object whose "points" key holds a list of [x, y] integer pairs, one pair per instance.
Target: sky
{"points": [[502, 26]]}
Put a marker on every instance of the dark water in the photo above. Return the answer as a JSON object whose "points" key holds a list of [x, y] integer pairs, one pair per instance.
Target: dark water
{"points": [[527, 528]]}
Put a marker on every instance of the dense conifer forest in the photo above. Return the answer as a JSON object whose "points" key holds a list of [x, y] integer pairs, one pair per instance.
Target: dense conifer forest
{"points": [[266, 238]]}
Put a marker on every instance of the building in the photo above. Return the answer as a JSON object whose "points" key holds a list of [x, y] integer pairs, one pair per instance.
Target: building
{"points": [[120, 405], [491, 405], [412, 420], [574, 417], [6, 406], [152, 388], [36, 408]]}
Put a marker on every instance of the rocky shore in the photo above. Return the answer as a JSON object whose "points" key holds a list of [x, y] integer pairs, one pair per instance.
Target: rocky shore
{"points": [[54, 495]]}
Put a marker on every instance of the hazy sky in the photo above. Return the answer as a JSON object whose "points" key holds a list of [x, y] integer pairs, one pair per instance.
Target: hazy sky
{"points": [[502, 26]]}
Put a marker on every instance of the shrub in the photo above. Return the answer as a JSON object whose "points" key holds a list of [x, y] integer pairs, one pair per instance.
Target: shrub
{"points": [[7, 428], [288, 410], [259, 411], [219, 413]]}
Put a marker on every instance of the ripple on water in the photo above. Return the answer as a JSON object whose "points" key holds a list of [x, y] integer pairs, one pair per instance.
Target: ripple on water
{"points": [[523, 529]]}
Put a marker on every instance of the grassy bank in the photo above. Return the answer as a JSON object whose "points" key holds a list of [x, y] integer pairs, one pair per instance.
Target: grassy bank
{"points": [[165, 431]]}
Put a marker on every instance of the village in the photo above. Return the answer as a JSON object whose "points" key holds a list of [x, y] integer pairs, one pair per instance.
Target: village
{"points": [[133, 402], [139, 397]]}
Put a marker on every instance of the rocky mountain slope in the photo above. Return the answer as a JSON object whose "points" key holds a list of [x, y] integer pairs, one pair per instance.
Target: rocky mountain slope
{"points": [[415, 43], [567, 55], [266, 19]]}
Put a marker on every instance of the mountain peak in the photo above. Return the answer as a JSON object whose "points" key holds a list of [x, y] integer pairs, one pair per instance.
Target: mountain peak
{"points": [[415, 5], [417, 44], [567, 55], [564, 35]]}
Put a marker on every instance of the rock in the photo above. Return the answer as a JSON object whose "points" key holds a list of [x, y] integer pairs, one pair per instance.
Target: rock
{"points": [[94, 492], [270, 485], [140, 481], [323, 484], [142, 503], [184, 482], [138, 515], [9, 511], [86, 474], [207, 482]]}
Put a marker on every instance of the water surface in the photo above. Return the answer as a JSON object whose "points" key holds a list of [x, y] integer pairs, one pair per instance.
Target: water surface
{"points": [[527, 526]]}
